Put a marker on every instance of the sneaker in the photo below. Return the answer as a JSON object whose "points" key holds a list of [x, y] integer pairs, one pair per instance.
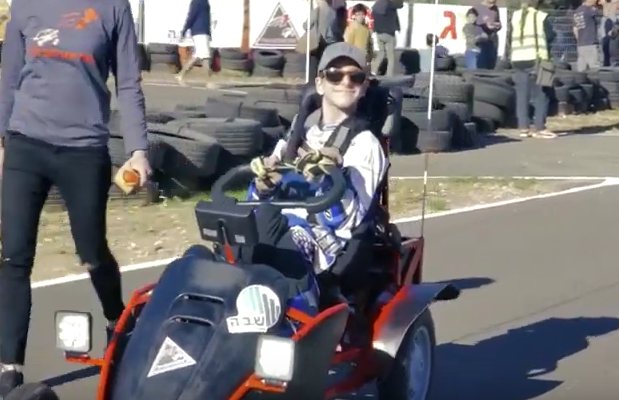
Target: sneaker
{"points": [[111, 325], [180, 79], [9, 380]]}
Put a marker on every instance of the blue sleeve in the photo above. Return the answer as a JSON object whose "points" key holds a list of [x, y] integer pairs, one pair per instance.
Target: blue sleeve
{"points": [[126, 68], [13, 60], [191, 16]]}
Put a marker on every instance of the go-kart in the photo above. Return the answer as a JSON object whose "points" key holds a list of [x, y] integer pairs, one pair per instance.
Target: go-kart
{"points": [[215, 328]]}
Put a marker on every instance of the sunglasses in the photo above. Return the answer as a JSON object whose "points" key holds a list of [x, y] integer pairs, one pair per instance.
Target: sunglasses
{"points": [[336, 76]]}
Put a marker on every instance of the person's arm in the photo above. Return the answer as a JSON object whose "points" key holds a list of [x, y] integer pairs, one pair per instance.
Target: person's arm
{"points": [[13, 53], [577, 18], [126, 68], [498, 24], [396, 4], [191, 17]]}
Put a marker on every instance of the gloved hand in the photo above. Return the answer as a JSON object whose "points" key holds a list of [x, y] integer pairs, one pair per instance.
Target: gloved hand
{"points": [[266, 177], [312, 163]]}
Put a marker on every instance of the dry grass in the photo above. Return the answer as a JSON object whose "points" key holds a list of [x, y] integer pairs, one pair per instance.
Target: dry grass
{"points": [[144, 233], [583, 124]]}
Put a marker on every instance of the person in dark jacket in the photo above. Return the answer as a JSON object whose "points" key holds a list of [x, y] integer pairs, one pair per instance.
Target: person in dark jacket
{"points": [[613, 46], [54, 114], [386, 24], [198, 22]]}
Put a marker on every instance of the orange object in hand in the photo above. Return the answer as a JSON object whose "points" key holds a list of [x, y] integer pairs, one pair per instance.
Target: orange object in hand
{"points": [[127, 180]]}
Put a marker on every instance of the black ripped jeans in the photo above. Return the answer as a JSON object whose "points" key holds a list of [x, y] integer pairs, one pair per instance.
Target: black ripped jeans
{"points": [[83, 177]]}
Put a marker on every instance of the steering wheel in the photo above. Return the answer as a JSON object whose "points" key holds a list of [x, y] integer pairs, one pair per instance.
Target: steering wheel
{"points": [[313, 205]]}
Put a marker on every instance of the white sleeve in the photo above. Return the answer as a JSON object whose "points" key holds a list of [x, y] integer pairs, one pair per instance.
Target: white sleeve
{"points": [[366, 163]]}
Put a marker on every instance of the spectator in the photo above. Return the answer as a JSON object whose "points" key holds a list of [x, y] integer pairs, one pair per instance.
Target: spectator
{"points": [[473, 34], [386, 24], [325, 27], [586, 33], [54, 114], [490, 21], [198, 22], [609, 18], [358, 34], [613, 46], [425, 55], [531, 33]]}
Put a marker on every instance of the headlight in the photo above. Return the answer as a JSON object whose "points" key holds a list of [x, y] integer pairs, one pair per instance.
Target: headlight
{"points": [[74, 331], [275, 358]]}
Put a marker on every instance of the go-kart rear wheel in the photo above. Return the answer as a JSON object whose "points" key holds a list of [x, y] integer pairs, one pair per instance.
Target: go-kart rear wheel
{"points": [[32, 391], [411, 376]]}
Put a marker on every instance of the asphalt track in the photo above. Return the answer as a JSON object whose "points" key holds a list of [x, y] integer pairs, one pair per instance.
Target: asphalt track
{"points": [[538, 316]]}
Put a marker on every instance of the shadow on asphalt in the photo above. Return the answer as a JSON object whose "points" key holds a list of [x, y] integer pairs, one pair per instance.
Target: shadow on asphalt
{"points": [[72, 376], [511, 366], [470, 283]]}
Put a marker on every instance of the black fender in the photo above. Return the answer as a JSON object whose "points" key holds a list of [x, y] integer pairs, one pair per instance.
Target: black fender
{"points": [[402, 312]]}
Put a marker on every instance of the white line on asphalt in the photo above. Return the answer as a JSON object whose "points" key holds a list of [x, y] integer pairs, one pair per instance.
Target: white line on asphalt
{"points": [[537, 178], [159, 263]]}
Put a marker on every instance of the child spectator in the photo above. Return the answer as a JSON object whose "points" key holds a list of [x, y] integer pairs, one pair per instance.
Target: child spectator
{"points": [[441, 51], [472, 34], [358, 34]]}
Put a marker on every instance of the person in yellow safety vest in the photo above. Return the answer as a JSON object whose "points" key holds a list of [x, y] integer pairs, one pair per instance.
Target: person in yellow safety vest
{"points": [[531, 35]]}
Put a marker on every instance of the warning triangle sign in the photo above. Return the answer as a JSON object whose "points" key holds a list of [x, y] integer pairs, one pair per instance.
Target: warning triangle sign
{"points": [[279, 32], [169, 358]]}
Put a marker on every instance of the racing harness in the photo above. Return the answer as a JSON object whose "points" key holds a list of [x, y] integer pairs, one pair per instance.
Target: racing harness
{"points": [[353, 258]]}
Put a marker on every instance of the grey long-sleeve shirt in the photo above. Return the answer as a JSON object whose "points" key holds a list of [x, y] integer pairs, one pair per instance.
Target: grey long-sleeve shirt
{"points": [[56, 60]]}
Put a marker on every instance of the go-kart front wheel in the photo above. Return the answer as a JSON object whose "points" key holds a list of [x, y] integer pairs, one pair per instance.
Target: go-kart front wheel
{"points": [[32, 391], [411, 376]]}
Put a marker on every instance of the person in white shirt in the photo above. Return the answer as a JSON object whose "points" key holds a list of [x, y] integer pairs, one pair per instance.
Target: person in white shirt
{"points": [[291, 241]]}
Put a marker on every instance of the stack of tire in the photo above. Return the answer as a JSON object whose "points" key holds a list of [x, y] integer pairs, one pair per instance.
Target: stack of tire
{"points": [[450, 125], [605, 83], [234, 60], [493, 99], [268, 63], [573, 91], [162, 55], [294, 66]]}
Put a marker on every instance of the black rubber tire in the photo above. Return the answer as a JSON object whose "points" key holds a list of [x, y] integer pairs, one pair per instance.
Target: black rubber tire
{"points": [[269, 59], [32, 391], [456, 92], [232, 54], [294, 64], [441, 120], [434, 141], [162, 48], [611, 88], [444, 64], [563, 65], [486, 110], [471, 140], [589, 90], [609, 74], [266, 72], [417, 104], [157, 58], [143, 58], [240, 137], [118, 155], [182, 111], [565, 80], [227, 107], [463, 111], [243, 65], [494, 93], [188, 153], [577, 96], [562, 94]]}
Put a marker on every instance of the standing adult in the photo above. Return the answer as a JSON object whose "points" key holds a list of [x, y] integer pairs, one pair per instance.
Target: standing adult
{"points": [[586, 33], [386, 24], [325, 26], [489, 20], [54, 113], [198, 22], [531, 35], [607, 23]]}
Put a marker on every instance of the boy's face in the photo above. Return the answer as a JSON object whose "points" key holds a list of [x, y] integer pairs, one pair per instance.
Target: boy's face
{"points": [[471, 18], [360, 17]]}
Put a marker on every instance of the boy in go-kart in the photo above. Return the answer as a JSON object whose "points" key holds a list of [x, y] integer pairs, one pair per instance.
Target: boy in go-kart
{"points": [[291, 240]]}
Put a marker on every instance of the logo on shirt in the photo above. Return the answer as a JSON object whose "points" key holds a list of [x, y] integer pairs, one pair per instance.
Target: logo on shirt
{"points": [[47, 36], [279, 31], [79, 19]]}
